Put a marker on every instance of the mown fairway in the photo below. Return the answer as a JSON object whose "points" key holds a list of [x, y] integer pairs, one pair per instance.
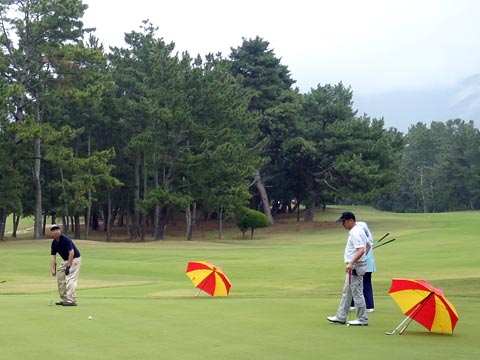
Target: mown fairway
{"points": [[284, 283]]}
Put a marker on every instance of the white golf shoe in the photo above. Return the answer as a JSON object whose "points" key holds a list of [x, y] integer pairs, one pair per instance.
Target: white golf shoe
{"points": [[357, 323], [334, 319]]}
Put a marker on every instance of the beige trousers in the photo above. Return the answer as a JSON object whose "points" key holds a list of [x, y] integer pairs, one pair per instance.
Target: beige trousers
{"points": [[67, 284]]}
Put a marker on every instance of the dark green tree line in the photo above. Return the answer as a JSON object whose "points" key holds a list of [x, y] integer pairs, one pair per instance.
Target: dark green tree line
{"points": [[141, 133], [440, 168]]}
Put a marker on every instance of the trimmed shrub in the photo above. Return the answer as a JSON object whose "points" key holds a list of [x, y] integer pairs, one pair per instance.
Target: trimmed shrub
{"points": [[249, 218]]}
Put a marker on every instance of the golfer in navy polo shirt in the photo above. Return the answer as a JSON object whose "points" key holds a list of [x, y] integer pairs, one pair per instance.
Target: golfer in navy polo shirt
{"points": [[67, 274]]}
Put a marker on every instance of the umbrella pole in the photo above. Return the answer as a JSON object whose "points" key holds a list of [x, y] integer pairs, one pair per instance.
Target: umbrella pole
{"points": [[198, 292]]}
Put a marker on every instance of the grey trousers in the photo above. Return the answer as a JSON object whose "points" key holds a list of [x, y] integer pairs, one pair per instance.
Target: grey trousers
{"points": [[353, 289], [67, 284]]}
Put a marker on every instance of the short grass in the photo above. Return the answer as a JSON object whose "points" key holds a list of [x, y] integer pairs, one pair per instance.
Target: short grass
{"points": [[285, 282]]}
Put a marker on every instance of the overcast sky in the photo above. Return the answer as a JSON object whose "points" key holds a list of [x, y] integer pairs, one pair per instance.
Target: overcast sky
{"points": [[374, 46]]}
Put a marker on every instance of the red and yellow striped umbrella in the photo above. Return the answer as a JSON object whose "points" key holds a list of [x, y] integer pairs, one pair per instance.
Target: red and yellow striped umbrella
{"points": [[209, 278], [425, 304]]}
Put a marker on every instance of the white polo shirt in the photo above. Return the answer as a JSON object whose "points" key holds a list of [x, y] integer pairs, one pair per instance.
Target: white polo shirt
{"points": [[356, 239]]}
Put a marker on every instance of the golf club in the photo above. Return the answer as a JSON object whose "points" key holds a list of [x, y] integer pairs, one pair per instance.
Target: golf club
{"points": [[383, 237], [350, 283], [410, 317], [385, 243], [405, 327], [398, 327], [51, 294]]}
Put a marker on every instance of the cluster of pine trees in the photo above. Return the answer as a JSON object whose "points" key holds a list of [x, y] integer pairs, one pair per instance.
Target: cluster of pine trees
{"points": [[136, 134]]}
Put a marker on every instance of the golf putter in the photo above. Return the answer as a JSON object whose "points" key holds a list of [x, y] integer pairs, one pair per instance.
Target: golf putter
{"points": [[350, 283], [51, 294]]}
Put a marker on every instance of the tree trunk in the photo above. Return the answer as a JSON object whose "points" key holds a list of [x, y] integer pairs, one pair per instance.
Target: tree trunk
{"points": [[44, 224], [143, 228], [37, 230], [157, 211], [95, 220], [190, 214], [310, 199], [16, 221], [76, 233], [220, 221], [89, 208], [264, 197], [109, 216], [65, 224], [188, 220], [156, 222], [65, 197], [162, 223], [37, 163], [309, 211], [135, 228], [3, 220]]}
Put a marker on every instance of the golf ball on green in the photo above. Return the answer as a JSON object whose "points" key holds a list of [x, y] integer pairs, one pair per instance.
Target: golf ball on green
{"points": [[90, 317]]}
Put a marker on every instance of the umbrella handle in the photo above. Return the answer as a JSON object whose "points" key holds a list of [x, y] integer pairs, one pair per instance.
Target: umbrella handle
{"points": [[198, 292]]}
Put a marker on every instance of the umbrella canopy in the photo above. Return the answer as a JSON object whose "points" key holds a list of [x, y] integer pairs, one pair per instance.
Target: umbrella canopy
{"points": [[425, 304], [209, 278]]}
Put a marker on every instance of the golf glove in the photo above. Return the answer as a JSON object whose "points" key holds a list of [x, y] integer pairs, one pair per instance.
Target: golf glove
{"points": [[67, 270]]}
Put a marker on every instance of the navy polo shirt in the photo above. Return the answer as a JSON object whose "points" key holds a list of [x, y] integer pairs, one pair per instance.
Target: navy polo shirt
{"points": [[63, 246]]}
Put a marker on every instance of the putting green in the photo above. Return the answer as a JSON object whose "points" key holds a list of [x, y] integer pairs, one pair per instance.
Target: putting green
{"points": [[284, 284]]}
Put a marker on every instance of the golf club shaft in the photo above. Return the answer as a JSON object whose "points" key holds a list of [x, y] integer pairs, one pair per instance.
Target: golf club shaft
{"points": [[350, 284], [385, 243], [405, 327], [415, 312], [51, 294], [410, 317], [383, 237], [398, 327]]}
